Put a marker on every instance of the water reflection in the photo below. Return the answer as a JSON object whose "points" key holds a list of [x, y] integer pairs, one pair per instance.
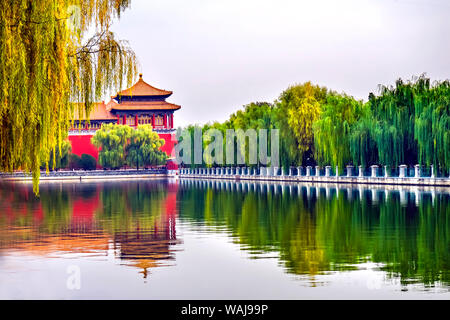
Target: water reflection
{"points": [[312, 229], [325, 228], [136, 221]]}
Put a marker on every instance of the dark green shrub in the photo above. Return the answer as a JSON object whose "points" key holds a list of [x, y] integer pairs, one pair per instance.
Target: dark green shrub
{"points": [[74, 161], [88, 162]]}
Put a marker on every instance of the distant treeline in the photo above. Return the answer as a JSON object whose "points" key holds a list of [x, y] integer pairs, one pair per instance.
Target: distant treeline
{"points": [[408, 123]]}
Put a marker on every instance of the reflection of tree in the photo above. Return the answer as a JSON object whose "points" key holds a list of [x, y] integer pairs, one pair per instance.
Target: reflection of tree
{"points": [[417, 248], [137, 217], [317, 234]]}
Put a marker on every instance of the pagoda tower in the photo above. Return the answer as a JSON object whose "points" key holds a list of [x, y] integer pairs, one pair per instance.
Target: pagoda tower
{"points": [[139, 104]]}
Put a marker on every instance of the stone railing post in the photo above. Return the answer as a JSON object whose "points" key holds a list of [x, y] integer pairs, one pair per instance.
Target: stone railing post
{"points": [[317, 171], [337, 171], [432, 172], [402, 171], [299, 171], [386, 172], [327, 171], [417, 171], [308, 171], [360, 172], [349, 171], [374, 170]]}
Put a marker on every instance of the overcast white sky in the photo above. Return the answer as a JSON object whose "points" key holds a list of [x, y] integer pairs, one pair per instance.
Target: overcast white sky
{"points": [[218, 55]]}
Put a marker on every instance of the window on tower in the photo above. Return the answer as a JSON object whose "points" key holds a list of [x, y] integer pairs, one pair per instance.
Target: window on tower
{"points": [[159, 121]]}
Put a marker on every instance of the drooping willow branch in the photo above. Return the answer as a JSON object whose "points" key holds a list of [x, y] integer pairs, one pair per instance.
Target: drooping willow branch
{"points": [[45, 69]]}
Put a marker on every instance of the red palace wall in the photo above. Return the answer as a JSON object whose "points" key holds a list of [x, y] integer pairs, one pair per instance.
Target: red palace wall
{"points": [[82, 144], [168, 147]]}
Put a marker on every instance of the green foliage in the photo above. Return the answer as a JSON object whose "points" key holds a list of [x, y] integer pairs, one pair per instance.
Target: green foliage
{"points": [[393, 124], [363, 148], [111, 140], [48, 61], [256, 115], [143, 148], [88, 162], [59, 160], [121, 144], [432, 122], [298, 108], [410, 123], [332, 131], [405, 124], [74, 161]]}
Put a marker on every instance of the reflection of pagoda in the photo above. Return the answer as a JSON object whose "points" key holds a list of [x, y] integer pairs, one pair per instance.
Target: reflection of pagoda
{"points": [[80, 232], [147, 248]]}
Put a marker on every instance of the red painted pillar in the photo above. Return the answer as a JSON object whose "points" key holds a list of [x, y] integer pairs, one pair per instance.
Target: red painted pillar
{"points": [[171, 121], [118, 119], [124, 119], [136, 120], [153, 120], [165, 121]]}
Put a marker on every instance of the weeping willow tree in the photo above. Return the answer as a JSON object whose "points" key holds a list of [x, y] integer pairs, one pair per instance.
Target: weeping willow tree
{"points": [[112, 140], [298, 108], [332, 131], [393, 129], [432, 122], [48, 64], [407, 124], [363, 147]]}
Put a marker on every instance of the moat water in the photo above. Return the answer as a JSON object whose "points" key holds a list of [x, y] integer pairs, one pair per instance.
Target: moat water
{"points": [[191, 239]]}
